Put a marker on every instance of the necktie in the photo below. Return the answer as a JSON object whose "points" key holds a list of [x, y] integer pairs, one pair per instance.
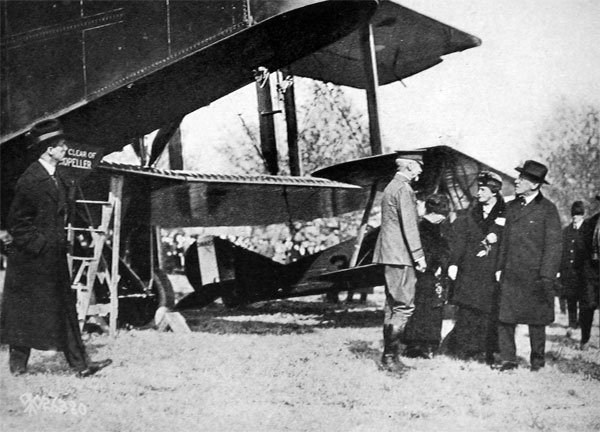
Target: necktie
{"points": [[522, 201]]}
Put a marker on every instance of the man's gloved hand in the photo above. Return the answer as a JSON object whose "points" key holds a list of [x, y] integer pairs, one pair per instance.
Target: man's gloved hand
{"points": [[452, 272], [421, 265]]}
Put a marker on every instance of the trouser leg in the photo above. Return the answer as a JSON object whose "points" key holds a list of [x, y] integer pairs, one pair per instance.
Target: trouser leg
{"points": [[572, 312], [74, 351], [400, 284], [586, 318], [399, 306], [506, 340], [17, 358], [562, 302], [491, 340], [537, 340]]}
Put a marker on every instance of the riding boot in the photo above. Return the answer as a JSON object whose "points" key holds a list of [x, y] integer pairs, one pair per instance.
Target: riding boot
{"points": [[391, 348]]}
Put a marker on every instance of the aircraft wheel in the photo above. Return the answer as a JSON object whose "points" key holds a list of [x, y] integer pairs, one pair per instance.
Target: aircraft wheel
{"points": [[139, 311], [231, 298]]}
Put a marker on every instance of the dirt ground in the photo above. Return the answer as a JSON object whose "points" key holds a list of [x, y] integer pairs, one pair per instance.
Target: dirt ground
{"points": [[298, 365]]}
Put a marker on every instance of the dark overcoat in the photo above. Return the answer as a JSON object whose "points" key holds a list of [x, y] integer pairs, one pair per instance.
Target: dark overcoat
{"points": [[475, 285], [590, 298], [399, 242], [572, 279], [530, 253], [37, 294], [425, 324]]}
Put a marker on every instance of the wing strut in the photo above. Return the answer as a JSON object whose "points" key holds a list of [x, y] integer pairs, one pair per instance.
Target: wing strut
{"points": [[363, 224]]}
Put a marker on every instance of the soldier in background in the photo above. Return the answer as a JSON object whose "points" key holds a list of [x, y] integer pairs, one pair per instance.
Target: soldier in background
{"points": [[591, 296], [572, 279]]}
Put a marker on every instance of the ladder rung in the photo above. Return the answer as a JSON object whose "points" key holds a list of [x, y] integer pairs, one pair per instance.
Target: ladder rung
{"points": [[82, 258], [93, 202], [97, 230], [79, 286]]}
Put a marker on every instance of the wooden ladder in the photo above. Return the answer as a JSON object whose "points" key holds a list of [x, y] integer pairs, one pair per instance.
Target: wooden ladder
{"points": [[89, 269]]}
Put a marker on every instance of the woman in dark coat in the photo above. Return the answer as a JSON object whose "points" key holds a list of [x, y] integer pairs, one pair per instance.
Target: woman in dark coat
{"points": [[424, 327], [474, 253]]}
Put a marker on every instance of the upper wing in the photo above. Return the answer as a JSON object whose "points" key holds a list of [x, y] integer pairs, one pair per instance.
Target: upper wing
{"points": [[445, 170], [406, 43]]}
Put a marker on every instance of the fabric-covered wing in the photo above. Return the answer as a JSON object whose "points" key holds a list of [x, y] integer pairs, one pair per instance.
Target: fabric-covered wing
{"points": [[185, 198], [406, 43], [445, 170]]}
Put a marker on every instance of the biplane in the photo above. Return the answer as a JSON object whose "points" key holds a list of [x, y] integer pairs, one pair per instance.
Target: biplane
{"points": [[114, 71], [217, 268]]}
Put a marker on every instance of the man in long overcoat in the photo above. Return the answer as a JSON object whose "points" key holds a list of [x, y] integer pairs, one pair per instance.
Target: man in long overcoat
{"points": [[590, 299], [474, 251], [399, 248], [528, 262], [38, 305]]}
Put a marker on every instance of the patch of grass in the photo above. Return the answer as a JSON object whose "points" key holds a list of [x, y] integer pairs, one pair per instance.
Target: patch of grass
{"points": [[300, 365]]}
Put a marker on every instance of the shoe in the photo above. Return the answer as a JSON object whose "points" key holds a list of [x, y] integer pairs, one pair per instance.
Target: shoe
{"points": [[93, 367], [569, 332], [584, 346], [505, 366], [18, 372], [392, 363], [536, 367]]}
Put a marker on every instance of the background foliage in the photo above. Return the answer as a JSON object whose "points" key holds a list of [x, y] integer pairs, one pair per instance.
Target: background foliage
{"points": [[569, 144]]}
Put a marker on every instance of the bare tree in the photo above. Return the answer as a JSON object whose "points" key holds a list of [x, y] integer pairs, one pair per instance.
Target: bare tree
{"points": [[331, 130], [570, 145]]}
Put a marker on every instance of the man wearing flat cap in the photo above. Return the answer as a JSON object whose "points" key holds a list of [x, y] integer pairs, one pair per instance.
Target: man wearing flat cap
{"points": [[38, 305], [399, 248], [474, 250], [528, 262]]}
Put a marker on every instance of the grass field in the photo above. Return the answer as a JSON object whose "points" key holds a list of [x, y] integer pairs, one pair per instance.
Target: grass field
{"points": [[298, 366]]}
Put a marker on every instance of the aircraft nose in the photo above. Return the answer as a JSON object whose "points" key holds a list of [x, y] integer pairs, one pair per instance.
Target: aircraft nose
{"points": [[462, 41]]}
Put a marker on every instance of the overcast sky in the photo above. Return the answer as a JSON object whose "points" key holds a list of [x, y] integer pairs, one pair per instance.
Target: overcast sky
{"points": [[491, 100], [494, 99]]}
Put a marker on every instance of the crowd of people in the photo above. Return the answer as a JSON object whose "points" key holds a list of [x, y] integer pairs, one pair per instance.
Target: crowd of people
{"points": [[499, 263]]}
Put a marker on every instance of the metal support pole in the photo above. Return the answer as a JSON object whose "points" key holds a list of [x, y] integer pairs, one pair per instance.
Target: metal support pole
{"points": [[372, 82], [116, 194], [268, 142], [289, 101]]}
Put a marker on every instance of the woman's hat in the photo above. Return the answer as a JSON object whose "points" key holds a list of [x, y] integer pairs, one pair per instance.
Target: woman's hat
{"points": [[490, 179]]}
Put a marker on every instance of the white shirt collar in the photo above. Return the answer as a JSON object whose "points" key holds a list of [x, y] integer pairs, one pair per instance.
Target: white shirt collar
{"points": [[577, 225], [486, 209], [530, 198], [50, 168]]}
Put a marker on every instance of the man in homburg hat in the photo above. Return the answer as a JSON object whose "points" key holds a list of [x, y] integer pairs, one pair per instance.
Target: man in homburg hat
{"points": [[528, 262], [477, 235], [399, 248], [38, 305]]}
